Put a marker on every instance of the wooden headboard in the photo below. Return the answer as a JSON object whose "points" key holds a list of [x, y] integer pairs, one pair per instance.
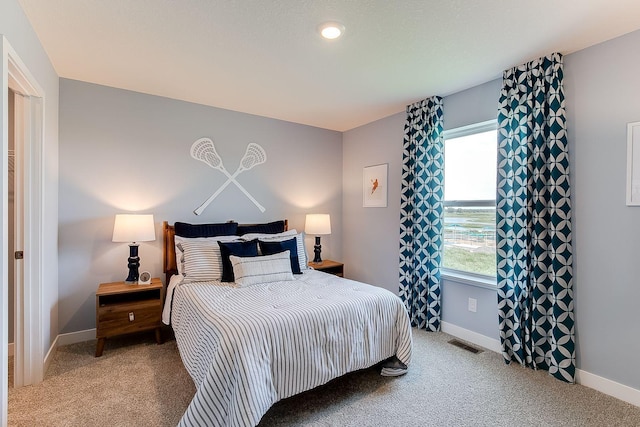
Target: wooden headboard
{"points": [[168, 249]]}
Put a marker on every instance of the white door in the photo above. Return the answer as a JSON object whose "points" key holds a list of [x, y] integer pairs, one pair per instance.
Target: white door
{"points": [[28, 355], [18, 239], [29, 350]]}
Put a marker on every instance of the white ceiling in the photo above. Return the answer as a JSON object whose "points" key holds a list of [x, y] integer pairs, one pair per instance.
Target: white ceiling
{"points": [[265, 57]]}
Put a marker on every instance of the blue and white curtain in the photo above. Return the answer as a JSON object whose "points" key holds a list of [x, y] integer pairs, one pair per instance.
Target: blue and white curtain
{"points": [[533, 220], [422, 213]]}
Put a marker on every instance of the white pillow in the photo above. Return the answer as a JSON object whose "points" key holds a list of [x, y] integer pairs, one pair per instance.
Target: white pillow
{"points": [[202, 260], [302, 250], [180, 253], [264, 236], [261, 269]]}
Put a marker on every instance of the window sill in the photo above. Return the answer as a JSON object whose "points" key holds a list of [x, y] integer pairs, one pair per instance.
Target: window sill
{"points": [[468, 279]]}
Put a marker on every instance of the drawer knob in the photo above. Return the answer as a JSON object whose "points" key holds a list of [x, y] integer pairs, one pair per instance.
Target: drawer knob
{"points": [[131, 317]]}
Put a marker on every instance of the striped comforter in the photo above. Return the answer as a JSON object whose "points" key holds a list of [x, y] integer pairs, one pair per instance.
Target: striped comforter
{"points": [[247, 348]]}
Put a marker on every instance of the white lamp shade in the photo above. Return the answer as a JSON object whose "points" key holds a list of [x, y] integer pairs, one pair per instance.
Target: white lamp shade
{"points": [[318, 224], [134, 228]]}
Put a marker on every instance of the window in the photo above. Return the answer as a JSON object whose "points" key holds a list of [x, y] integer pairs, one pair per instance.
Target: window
{"points": [[470, 193]]}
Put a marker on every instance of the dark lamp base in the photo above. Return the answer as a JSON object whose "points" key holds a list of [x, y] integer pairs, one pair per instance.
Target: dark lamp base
{"points": [[134, 264], [317, 248]]}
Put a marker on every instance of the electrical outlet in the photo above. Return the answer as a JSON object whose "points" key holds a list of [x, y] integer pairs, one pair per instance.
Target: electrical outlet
{"points": [[473, 304]]}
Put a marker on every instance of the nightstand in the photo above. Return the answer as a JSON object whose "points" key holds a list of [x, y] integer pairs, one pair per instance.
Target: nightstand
{"points": [[328, 266], [123, 308]]}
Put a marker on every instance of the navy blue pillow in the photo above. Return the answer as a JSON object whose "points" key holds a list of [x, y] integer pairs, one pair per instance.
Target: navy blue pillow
{"points": [[238, 249], [270, 248], [184, 229], [267, 228]]}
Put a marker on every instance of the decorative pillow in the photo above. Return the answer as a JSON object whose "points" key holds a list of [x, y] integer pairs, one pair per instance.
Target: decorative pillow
{"points": [[261, 269], [302, 250], [267, 228], [202, 240], [303, 256], [266, 236], [205, 230], [270, 248], [246, 249], [202, 261]]}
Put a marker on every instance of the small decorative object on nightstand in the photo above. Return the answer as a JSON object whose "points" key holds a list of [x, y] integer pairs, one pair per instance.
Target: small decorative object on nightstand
{"points": [[328, 266], [144, 278], [123, 308]]}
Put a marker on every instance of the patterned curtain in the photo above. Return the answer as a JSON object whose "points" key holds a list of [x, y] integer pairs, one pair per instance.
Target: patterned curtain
{"points": [[422, 211], [533, 220]]}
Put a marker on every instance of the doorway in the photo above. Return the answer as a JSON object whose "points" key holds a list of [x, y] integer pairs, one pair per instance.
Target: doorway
{"points": [[11, 170], [28, 173]]}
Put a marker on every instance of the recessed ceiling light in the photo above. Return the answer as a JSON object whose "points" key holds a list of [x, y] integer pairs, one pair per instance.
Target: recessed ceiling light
{"points": [[331, 30]]}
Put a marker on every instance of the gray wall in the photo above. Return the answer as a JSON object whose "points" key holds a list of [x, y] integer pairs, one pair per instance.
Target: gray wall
{"points": [[371, 235], [123, 151], [15, 26], [602, 87], [603, 95]]}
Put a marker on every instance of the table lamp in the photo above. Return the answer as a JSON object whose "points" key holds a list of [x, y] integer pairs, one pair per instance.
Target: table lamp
{"points": [[317, 224], [133, 228]]}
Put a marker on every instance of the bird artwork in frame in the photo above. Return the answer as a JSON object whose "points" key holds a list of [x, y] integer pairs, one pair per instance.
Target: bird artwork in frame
{"points": [[374, 186]]}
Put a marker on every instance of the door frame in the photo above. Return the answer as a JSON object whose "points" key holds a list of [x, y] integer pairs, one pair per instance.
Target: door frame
{"points": [[29, 345]]}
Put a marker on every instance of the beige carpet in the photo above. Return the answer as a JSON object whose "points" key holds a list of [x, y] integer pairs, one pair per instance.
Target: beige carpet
{"points": [[138, 383], [10, 370]]}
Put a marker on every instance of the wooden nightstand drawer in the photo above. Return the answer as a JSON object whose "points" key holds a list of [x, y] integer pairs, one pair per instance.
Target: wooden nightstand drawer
{"points": [[329, 266], [125, 308], [128, 317]]}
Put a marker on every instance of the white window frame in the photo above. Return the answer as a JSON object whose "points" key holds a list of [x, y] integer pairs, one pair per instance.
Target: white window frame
{"points": [[460, 276]]}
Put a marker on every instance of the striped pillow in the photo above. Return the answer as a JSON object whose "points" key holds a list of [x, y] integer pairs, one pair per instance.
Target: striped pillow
{"points": [[270, 248], [263, 236], [261, 269], [302, 250], [180, 251], [202, 260], [236, 249]]}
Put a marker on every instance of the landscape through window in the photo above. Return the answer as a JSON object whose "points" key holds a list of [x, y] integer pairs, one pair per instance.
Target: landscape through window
{"points": [[470, 208]]}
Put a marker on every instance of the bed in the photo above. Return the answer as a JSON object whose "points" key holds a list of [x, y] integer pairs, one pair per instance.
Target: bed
{"points": [[269, 334]]}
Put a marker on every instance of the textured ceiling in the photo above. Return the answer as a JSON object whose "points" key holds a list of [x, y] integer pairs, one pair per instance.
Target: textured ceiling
{"points": [[265, 57]]}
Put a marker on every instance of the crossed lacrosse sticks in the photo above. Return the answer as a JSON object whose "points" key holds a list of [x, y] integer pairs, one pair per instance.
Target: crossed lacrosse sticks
{"points": [[204, 150]]}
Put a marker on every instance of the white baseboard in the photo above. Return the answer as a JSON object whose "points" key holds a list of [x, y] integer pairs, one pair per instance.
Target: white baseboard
{"points": [[472, 337], [10, 349], [601, 384], [49, 357], [606, 386], [75, 337], [65, 339]]}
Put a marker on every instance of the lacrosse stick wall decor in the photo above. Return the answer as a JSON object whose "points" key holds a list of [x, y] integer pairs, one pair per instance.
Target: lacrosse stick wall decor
{"points": [[204, 150]]}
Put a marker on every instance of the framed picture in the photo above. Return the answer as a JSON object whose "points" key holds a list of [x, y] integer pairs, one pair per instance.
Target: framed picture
{"points": [[374, 186], [633, 164]]}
